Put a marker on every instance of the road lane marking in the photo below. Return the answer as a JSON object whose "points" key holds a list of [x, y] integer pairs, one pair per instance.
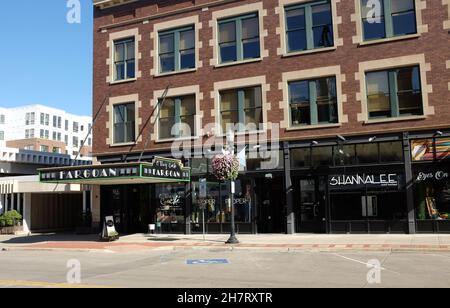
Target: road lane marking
{"points": [[364, 263]]}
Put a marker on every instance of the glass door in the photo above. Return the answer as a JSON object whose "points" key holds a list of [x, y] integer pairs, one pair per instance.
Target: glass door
{"points": [[310, 205]]}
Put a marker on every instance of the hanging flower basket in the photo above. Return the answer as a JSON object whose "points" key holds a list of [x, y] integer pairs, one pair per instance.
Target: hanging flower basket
{"points": [[225, 167]]}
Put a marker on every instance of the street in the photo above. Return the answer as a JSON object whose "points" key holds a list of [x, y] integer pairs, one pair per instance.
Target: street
{"points": [[192, 268]]}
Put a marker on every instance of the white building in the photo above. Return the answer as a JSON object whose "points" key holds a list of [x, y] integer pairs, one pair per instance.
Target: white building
{"points": [[63, 131]]}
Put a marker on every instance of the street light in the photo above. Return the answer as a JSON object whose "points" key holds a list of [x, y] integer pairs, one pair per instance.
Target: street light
{"points": [[230, 146]]}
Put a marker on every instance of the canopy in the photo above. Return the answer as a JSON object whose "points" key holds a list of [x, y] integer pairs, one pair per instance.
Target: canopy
{"points": [[161, 170]]}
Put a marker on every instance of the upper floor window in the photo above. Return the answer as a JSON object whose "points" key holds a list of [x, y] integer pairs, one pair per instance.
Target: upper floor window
{"points": [[124, 59], [394, 93], [397, 18], [313, 102], [309, 26], [241, 106], [66, 125], [29, 133], [2, 119], [239, 38], [45, 119], [177, 50], [29, 118], [177, 117], [2, 135], [124, 123], [44, 148], [75, 142], [75, 127]]}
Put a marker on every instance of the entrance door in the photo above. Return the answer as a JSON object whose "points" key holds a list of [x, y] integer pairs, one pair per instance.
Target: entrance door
{"points": [[310, 205], [271, 215]]}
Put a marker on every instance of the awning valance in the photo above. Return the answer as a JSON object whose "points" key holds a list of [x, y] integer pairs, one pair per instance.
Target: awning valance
{"points": [[161, 170]]}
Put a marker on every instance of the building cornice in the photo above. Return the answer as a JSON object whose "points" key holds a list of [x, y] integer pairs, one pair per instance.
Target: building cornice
{"points": [[104, 4]]}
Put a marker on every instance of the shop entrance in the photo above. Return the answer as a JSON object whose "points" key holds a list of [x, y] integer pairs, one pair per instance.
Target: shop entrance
{"points": [[130, 206], [310, 204], [271, 214]]}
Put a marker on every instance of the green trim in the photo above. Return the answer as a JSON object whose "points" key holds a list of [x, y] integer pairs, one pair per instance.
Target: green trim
{"points": [[313, 102], [176, 46], [237, 20], [308, 24]]}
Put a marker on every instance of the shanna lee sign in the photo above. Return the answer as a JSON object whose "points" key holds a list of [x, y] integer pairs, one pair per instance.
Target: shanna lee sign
{"points": [[160, 170], [385, 180]]}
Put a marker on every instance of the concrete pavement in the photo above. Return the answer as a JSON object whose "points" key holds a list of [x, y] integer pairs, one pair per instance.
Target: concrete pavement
{"points": [[432, 242]]}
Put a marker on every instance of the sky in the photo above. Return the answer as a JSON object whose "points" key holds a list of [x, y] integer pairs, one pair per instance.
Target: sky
{"points": [[44, 59]]}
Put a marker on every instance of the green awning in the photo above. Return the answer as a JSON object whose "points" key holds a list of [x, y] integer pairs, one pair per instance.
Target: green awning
{"points": [[161, 170]]}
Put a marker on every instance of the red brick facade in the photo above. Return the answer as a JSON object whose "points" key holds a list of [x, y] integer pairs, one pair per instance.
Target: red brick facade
{"points": [[433, 44]]}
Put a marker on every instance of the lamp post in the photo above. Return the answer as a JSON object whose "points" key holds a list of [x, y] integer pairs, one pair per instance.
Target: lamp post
{"points": [[230, 146]]}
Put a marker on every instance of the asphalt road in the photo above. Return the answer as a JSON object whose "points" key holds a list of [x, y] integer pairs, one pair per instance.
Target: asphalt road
{"points": [[253, 269]]}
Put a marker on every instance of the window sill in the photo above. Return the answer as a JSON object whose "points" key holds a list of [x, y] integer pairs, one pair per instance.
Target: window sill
{"points": [[389, 39], [399, 119], [307, 52], [123, 81], [116, 145], [310, 127], [176, 73], [177, 139], [252, 132], [237, 63]]}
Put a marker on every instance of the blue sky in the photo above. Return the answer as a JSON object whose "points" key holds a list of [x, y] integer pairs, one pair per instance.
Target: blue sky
{"points": [[44, 59]]}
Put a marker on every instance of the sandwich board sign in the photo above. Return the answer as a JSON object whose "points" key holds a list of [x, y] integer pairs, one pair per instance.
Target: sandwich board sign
{"points": [[109, 229]]}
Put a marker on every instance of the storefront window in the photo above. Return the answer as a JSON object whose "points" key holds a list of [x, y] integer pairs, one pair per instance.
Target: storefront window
{"points": [[216, 206], [345, 155], [367, 153], [432, 195], [170, 200], [430, 149], [301, 158], [391, 152], [322, 156]]}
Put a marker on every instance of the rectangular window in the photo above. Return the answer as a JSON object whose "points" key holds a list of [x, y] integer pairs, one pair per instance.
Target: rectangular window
{"points": [[42, 134], [75, 142], [2, 119], [177, 117], [66, 140], [124, 123], [313, 102], [177, 50], [395, 18], [75, 127], [239, 38], [55, 121], [66, 125], [44, 148], [47, 134], [2, 135], [394, 93], [89, 142], [241, 106], [54, 136], [29, 118], [57, 150], [124, 59], [309, 26]]}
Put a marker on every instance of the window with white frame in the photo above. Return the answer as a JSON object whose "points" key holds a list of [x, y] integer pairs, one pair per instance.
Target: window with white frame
{"points": [[2, 135], [239, 38], [309, 26], [313, 102], [124, 59], [29, 118], [177, 117], [394, 93], [177, 49], [396, 18], [241, 106], [124, 123]]}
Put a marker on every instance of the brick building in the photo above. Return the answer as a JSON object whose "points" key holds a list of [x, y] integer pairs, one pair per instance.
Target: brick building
{"points": [[355, 99]]}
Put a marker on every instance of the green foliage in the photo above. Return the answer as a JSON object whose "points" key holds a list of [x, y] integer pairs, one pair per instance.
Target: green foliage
{"points": [[9, 219]]}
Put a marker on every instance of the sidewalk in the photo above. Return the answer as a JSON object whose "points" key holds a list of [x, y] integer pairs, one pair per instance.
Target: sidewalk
{"points": [[434, 242]]}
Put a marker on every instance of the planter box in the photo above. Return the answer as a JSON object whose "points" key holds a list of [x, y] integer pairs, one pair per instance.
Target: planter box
{"points": [[11, 230]]}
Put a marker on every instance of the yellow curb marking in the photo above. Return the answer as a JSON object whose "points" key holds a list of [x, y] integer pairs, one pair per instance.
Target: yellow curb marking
{"points": [[22, 283]]}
